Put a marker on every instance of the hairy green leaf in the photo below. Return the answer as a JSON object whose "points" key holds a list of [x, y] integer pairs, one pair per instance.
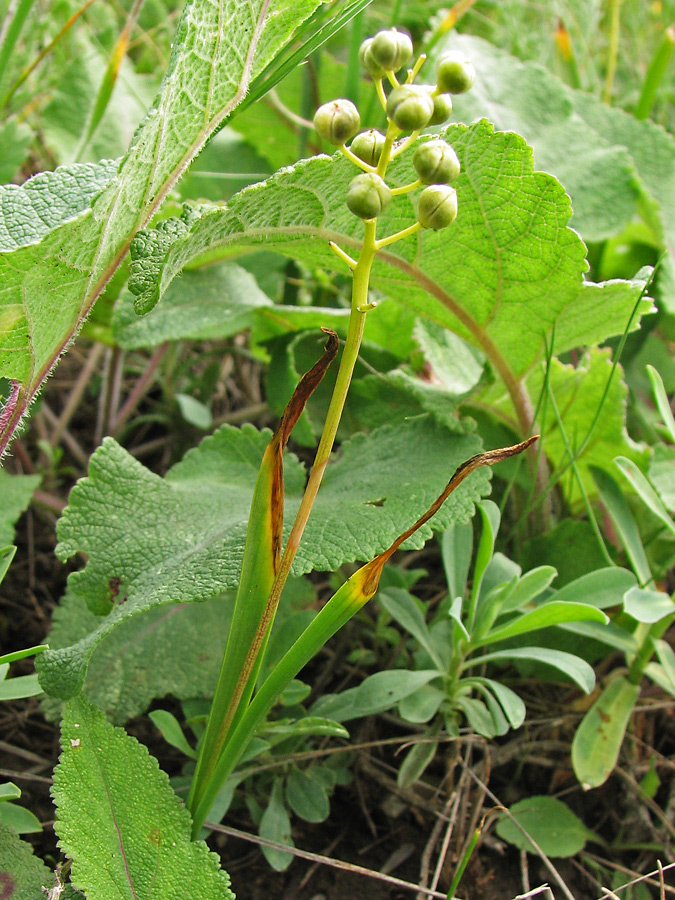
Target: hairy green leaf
{"points": [[119, 821], [134, 565], [48, 288], [502, 276], [611, 164]]}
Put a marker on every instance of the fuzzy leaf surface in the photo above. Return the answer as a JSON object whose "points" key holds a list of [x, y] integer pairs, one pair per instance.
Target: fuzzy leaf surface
{"points": [[501, 276], [49, 287], [119, 820], [118, 517], [22, 875]]}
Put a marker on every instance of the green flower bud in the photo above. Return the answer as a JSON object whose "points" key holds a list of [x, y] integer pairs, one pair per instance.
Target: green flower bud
{"points": [[437, 206], [367, 61], [454, 72], [368, 146], [410, 107], [368, 195], [391, 49], [337, 121], [436, 163], [442, 109]]}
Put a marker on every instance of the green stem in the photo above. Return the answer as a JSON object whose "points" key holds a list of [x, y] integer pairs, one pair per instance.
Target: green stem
{"points": [[646, 650], [655, 72], [209, 780]]}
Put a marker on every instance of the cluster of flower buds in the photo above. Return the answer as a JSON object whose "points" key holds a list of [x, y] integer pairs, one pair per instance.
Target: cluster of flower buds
{"points": [[409, 108]]}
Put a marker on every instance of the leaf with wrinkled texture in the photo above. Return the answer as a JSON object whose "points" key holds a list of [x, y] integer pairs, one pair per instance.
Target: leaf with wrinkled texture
{"points": [[134, 565], [502, 275], [607, 159], [22, 875], [49, 287], [119, 821]]}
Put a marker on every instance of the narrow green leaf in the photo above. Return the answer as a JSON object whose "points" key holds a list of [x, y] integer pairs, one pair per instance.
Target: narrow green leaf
{"points": [[601, 588], [573, 666], [416, 761], [662, 402], [513, 706], [666, 657], [456, 548], [620, 513], [22, 654], [646, 605], [306, 796], [529, 586], [490, 516], [478, 716], [252, 617], [550, 822], [659, 675], [406, 610], [22, 820], [598, 739], [552, 612], [644, 490], [120, 822], [275, 825], [309, 725], [171, 731], [20, 687]]}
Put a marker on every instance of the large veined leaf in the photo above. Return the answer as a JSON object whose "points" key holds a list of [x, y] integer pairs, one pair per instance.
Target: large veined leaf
{"points": [[612, 164], [119, 821], [502, 276], [49, 287], [134, 565]]}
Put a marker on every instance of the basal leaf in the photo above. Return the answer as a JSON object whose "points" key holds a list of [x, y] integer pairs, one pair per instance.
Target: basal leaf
{"points": [[118, 517], [119, 821], [550, 822], [596, 744], [48, 288], [22, 875], [501, 276]]}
